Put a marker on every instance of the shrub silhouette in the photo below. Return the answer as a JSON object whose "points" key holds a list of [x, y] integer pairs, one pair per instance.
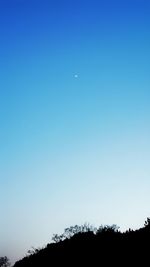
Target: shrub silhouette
{"points": [[4, 262], [147, 223], [87, 246], [71, 231]]}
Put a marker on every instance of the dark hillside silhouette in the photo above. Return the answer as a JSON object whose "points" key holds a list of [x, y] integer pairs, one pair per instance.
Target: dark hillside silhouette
{"points": [[87, 246]]}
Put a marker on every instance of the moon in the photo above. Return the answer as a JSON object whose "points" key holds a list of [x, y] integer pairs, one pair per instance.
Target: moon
{"points": [[76, 75]]}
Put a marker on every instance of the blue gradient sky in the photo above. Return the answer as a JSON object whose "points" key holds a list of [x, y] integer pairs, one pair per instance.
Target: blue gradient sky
{"points": [[72, 150]]}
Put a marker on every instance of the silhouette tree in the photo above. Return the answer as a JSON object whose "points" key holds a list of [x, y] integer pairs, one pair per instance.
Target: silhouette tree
{"points": [[87, 246], [147, 223], [57, 238], [73, 230], [108, 228], [33, 251], [4, 262]]}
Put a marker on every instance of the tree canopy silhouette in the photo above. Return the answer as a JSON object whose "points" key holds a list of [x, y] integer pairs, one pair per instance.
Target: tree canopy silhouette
{"points": [[86, 245], [4, 262]]}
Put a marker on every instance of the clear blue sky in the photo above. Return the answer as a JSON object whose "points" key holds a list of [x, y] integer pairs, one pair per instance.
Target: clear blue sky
{"points": [[72, 149]]}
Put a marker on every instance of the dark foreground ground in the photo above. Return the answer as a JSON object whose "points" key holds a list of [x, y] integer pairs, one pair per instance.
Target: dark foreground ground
{"points": [[84, 246]]}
